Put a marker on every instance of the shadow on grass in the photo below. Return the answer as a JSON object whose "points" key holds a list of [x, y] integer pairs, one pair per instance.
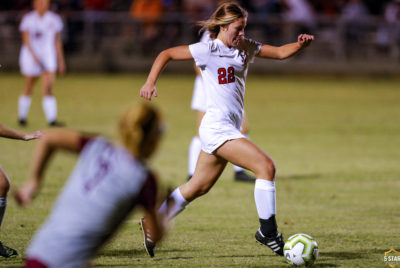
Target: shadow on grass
{"points": [[299, 177], [15, 262], [352, 255], [4, 265], [121, 253], [132, 252]]}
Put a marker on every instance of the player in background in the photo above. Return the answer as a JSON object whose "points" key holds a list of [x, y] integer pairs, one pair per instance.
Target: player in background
{"points": [[41, 55], [223, 62], [10, 133], [199, 105], [108, 182]]}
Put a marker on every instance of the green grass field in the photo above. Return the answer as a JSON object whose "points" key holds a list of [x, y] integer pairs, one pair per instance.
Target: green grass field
{"points": [[336, 145]]}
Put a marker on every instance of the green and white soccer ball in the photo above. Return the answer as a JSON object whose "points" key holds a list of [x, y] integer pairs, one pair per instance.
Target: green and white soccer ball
{"points": [[301, 249]]}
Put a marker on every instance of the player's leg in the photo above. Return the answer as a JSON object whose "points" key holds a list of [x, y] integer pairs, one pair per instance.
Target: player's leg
{"points": [[208, 169], [49, 102], [5, 251], [244, 153], [195, 146], [240, 174], [24, 101]]}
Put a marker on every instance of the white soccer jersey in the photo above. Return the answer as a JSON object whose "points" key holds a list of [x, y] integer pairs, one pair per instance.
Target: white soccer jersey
{"points": [[42, 32], [224, 72], [105, 185]]}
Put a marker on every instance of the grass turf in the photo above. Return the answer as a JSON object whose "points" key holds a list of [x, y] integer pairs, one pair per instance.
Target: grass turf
{"points": [[335, 142]]}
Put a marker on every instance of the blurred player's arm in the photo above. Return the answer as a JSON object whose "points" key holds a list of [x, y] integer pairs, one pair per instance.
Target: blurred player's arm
{"points": [[155, 224], [49, 143], [10, 133], [60, 54], [285, 51], [175, 53], [197, 69], [27, 42]]}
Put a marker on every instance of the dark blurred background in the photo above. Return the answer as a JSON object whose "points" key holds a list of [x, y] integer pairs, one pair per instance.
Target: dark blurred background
{"points": [[352, 36]]}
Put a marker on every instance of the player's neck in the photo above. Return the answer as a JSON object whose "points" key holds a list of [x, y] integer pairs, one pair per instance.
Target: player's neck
{"points": [[223, 39], [41, 12]]}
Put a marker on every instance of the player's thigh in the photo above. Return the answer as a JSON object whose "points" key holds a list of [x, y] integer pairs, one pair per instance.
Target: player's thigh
{"points": [[208, 169], [244, 127], [244, 153]]}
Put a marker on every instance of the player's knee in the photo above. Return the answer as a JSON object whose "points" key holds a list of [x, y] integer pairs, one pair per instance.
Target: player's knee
{"points": [[267, 169]]}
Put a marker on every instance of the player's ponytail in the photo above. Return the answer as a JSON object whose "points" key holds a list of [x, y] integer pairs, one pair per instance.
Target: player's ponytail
{"points": [[224, 15], [139, 129]]}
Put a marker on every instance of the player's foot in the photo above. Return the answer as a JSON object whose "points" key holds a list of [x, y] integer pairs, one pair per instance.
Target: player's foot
{"points": [[7, 252], [243, 176], [22, 122], [56, 123], [148, 243], [274, 242]]}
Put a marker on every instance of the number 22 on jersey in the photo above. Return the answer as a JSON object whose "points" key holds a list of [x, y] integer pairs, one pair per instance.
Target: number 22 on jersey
{"points": [[226, 75]]}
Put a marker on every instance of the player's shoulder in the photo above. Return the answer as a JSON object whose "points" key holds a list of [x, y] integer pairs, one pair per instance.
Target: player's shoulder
{"points": [[29, 15], [53, 15], [249, 42], [249, 45]]}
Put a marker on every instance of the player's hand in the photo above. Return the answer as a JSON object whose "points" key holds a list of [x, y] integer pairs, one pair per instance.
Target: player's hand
{"points": [[33, 135], [148, 91], [305, 40], [24, 195], [61, 67]]}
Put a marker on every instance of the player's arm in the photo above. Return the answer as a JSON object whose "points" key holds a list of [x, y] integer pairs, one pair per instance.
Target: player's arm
{"points": [[285, 51], [49, 143], [155, 224], [176, 53], [17, 135], [60, 53], [27, 42]]}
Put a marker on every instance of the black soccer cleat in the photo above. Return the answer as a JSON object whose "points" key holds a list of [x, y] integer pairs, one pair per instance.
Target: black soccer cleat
{"points": [[56, 123], [22, 122], [148, 243], [7, 252], [243, 176], [275, 242]]}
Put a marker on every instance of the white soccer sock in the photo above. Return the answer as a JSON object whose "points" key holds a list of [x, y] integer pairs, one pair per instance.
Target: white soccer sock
{"points": [[264, 196], [179, 203], [3, 206], [237, 168], [24, 103], [194, 151], [49, 104]]}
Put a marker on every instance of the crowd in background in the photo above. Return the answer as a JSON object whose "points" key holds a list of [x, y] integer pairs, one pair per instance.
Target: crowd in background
{"points": [[290, 8], [304, 14]]}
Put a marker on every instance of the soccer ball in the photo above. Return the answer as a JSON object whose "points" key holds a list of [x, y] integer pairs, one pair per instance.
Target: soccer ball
{"points": [[301, 249]]}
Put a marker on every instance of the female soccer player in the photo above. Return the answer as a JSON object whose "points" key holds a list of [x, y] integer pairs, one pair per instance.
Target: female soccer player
{"points": [[223, 62], [106, 184], [7, 132], [199, 104], [41, 55]]}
